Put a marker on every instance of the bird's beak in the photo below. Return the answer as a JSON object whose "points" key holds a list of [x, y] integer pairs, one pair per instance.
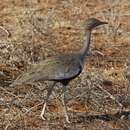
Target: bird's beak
{"points": [[104, 22]]}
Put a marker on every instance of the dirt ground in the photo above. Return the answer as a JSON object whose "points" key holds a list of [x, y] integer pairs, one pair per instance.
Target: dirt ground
{"points": [[32, 30]]}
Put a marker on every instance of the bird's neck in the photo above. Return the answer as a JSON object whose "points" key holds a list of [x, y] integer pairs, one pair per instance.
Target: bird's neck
{"points": [[86, 45]]}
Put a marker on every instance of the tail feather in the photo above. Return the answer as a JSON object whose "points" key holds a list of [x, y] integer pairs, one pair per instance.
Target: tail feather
{"points": [[23, 79]]}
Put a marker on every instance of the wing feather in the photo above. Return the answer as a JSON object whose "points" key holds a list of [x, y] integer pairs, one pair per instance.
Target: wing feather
{"points": [[56, 68]]}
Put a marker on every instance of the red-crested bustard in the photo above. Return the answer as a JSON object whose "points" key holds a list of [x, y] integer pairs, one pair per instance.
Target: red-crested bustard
{"points": [[61, 68]]}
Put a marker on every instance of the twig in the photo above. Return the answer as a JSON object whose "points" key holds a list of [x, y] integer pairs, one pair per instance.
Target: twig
{"points": [[105, 117], [7, 126], [9, 92], [27, 111], [7, 32], [99, 53], [111, 96]]}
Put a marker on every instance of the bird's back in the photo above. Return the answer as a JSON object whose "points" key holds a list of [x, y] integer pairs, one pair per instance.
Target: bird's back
{"points": [[62, 67]]}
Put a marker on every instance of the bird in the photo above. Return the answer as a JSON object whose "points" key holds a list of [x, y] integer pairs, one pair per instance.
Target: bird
{"points": [[60, 68]]}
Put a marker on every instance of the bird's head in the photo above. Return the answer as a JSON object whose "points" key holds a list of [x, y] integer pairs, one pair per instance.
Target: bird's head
{"points": [[92, 23]]}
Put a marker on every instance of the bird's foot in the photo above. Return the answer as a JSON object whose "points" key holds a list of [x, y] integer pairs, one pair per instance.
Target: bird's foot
{"points": [[67, 119], [43, 112], [66, 116], [42, 117]]}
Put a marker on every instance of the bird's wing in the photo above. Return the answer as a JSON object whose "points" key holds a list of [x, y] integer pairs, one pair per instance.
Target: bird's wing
{"points": [[66, 70], [55, 68]]}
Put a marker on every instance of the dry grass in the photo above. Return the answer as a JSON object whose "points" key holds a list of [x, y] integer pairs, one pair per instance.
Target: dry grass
{"points": [[33, 30]]}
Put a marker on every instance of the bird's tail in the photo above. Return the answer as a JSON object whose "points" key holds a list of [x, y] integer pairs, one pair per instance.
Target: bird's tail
{"points": [[22, 79]]}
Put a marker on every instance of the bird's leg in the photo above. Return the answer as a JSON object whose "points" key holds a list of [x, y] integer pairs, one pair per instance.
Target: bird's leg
{"points": [[49, 91], [64, 104]]}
